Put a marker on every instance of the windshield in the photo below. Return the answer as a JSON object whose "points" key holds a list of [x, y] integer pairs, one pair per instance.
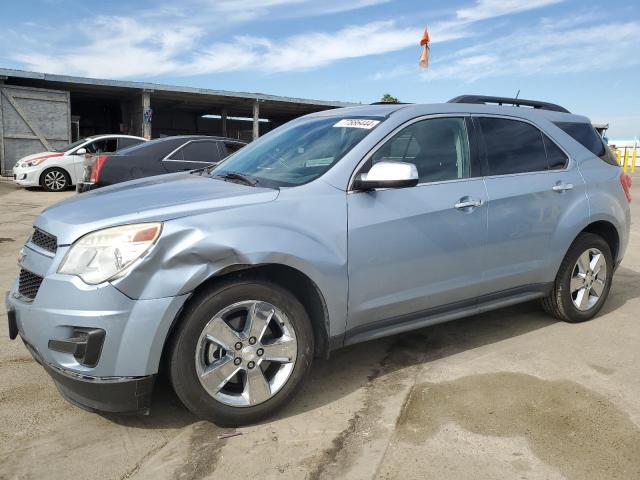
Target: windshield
{"points": [[71, 145], [298, 152]]}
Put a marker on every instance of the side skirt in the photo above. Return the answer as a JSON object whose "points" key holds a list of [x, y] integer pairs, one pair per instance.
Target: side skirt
{"points": [[444, 313]]}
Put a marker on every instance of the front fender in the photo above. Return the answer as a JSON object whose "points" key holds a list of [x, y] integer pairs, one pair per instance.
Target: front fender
{"points": [[309, 236]]}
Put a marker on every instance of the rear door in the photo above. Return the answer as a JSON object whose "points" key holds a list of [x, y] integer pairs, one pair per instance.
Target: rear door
{"points": [[531, 186], [412, 250], [194, 154]]}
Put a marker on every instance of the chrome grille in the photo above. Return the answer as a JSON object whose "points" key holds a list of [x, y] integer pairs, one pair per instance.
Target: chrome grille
{"points": [[28, 284], [44, 240]]}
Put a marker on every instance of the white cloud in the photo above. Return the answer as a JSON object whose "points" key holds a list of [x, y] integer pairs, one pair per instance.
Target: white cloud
{"points": [[172, 40], [484, 9], [548, 49], [118, 47]]}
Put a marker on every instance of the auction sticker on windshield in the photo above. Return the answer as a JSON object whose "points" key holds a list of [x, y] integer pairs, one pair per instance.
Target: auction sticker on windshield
{"points": [[357, 123]]}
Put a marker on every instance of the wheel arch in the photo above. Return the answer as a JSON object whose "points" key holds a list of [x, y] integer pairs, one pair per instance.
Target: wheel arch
{"points": [[53, 167], [609, 234], [287, 277]]}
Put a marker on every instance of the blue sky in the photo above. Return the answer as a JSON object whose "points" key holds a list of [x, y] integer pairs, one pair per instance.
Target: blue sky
{"points": [[580, 53]]}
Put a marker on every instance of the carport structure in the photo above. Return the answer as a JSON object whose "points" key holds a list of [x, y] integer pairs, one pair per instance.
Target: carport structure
{"points": [[97, 106]]}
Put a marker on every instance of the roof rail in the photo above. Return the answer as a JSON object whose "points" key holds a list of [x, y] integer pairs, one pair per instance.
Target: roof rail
{"points": [[391, 103], [516, 102]]}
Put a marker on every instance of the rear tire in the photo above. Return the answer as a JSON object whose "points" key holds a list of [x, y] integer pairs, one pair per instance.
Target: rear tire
{"points": [[232, 338], [55, 179], [583, 281]]}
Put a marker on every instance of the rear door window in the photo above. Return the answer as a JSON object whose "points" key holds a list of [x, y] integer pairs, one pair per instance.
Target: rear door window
{"points": [[205, 151], [556, 158], [230, 147], [512, 146], [128, 142], [586, 135]]}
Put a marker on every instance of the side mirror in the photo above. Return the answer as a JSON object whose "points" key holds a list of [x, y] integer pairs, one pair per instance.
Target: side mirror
{"points": [[387, 174], [81, 151]]}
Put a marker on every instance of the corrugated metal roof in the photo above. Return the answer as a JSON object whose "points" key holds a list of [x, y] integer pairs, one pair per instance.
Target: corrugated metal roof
{"points": [[156, 87]]}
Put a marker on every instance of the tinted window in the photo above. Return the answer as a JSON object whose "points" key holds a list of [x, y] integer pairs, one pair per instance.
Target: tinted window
{"points": [[556, 158], [512, 146], [205, 151], [128, 142], [101, 146], [438, 147], [156, 149], [585, 134], [232, 147]]}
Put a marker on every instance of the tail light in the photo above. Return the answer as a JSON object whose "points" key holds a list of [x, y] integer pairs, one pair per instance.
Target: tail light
{"points": [[625, 181], [97, 166]]}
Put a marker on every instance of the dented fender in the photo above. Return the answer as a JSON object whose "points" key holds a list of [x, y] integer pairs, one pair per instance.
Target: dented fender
{"points": [[196, 248]]}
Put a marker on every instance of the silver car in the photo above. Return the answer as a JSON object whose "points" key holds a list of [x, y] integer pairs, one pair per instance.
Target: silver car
{"points": [[336, 228]]}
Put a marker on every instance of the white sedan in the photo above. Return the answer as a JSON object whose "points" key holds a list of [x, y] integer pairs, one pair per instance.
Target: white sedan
{"points": [[59, 169]]}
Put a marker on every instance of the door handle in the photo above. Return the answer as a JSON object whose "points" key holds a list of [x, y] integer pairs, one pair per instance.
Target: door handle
{"points": [[462, 204], [561, 187]]}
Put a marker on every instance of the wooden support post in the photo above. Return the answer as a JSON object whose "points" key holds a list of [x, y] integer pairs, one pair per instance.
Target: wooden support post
{"points": [[223, 120], [256, 118]]}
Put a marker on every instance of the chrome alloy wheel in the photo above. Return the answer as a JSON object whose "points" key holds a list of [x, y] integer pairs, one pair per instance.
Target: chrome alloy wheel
{"points": [[246, 353], [55, 180], [588, 279]]}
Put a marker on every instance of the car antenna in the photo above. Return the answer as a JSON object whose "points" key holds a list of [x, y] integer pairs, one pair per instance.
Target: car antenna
{"points": [[518, 94]]}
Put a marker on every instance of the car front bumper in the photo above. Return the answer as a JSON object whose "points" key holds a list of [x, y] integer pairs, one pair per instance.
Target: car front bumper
{"points": [[97, 394], [26, 177], [112, 371]]}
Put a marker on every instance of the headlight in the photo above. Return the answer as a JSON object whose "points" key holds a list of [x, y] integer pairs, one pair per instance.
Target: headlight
{"points": [[34, 162], [106, 254]]}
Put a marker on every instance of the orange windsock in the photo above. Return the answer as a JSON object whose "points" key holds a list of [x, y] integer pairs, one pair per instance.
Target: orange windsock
{"points": [[424, 43]]}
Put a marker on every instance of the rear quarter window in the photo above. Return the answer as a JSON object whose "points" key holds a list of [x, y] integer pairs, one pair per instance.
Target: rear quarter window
{"points": [[512, 146], [586, 135]]}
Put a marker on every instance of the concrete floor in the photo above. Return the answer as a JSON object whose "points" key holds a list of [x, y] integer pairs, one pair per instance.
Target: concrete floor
{"points": [[509, 394]]}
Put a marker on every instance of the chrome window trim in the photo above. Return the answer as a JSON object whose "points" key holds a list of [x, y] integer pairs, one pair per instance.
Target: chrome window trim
{"points": [[406, 124], [524, 120], [168, 158]]}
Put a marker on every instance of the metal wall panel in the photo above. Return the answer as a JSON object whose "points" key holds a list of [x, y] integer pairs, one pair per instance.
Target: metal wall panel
{"points": [[32, 120]]}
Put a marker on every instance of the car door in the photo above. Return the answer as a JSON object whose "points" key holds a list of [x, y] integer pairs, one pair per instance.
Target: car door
{"points": [[194, 154], [415, 250], [95, 147], [531, 184]]}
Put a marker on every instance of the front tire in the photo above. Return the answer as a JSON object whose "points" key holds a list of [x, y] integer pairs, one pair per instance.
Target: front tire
{"points": [[55, 179], [240, 352], [583, 281]]}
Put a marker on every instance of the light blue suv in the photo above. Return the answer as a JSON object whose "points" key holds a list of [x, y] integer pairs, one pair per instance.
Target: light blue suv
{"points": [[336, 228]]}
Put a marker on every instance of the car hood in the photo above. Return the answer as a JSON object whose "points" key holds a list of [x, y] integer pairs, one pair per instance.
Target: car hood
{"points": [[159, 198], [40, 155]]}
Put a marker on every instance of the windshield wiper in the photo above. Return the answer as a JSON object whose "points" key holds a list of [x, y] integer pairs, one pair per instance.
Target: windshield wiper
{"points": [[242, 177]]}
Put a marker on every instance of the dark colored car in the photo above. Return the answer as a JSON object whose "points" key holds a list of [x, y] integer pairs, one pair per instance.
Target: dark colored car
{"points": [[163, 155]]}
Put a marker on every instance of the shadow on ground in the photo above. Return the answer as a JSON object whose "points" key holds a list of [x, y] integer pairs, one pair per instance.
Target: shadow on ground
{"points": [[351, 368]]}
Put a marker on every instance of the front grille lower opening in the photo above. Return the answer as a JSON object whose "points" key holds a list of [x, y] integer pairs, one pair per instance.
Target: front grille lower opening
{"points": [[28, 284]]}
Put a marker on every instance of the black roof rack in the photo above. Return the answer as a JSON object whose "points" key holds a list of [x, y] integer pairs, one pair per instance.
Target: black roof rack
{"points": [[391, 103], [516, 102]]}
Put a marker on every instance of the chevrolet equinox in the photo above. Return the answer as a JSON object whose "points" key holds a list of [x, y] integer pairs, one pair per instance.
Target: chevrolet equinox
{"points": [[335, 228]]}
